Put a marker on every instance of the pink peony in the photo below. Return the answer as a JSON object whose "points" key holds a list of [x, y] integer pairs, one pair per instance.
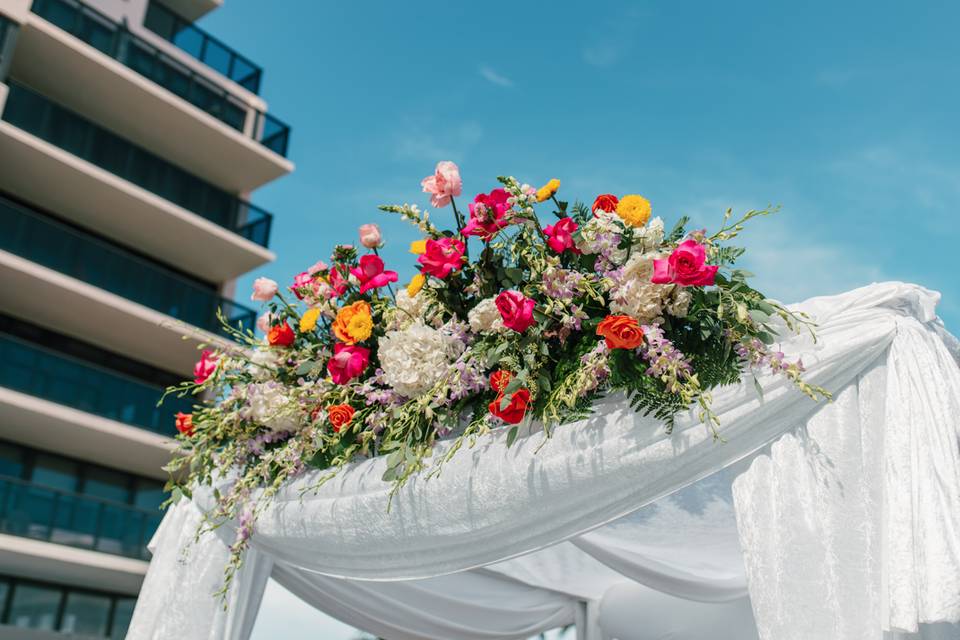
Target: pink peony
{"points": [[443, 184], [442, 257], [560, 235], [263, 289], [348, 362], [516, 310], [488, 214], [204, 367], [685, 266], [370, 273], [370, 236]]}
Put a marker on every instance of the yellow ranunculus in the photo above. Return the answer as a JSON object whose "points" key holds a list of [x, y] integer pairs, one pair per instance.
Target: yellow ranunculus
{"points": [[416, 283], [418, 247], [308, 321], [634, 210], [353, 323], [548, 190]]}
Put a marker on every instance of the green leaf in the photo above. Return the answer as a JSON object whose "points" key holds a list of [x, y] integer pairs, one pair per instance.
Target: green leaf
{"points": [[756, 385], [512, 434]]}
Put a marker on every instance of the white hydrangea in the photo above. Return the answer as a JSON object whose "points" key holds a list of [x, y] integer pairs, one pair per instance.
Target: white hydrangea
{"points": [[485, 317], [416, 358], [268, 405], [634, 295], [679, 303], [263, 361], [650, 236]]}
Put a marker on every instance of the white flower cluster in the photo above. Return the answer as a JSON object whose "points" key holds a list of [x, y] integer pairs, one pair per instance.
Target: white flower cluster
{"points": [[485, 317], [416, 358], [269, 405], [634, 295]]}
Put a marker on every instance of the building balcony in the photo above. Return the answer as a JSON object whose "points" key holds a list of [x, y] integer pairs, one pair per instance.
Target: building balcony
{"points": [[121, 191], [83, 59], [180, 31], [79, 254], [28, 368], [52, 515]]}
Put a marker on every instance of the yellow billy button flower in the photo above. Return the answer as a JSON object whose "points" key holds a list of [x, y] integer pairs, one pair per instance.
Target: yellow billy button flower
{"points": [[353, 323], [416, 283], [548, 190], [634, 210], [418, 247], [308, 321]]}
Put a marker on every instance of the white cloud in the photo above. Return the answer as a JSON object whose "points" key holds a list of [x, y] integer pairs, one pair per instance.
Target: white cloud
{"points": [[428, 141], [495, 78]]}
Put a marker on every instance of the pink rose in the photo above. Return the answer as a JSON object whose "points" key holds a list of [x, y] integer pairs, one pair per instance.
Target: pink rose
{"points": [[264, 322], [301, 281], [205, 367], [685, 266], [263, 289], [338, 284], [348, 362], [560, 235], [370, 273], [443, 184], [442, 257], [516, 310], [370, 236], [488, 214]]}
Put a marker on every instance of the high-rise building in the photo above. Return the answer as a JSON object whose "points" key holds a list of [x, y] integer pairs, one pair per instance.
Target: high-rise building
{"points": [[130, 141]]}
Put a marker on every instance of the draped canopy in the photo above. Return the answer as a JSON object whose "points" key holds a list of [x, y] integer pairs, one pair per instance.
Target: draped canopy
{"points": [[808, 520]]}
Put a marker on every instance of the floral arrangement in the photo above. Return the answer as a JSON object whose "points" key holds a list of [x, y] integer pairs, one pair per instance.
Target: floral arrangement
{"points": [[540, 322]]}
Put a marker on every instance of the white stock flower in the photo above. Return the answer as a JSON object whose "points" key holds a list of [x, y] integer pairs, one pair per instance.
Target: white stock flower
{"points": [[485, 317], [416, 358]]}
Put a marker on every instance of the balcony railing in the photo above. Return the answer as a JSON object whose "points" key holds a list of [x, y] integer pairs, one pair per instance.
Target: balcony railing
{"points": [[7, 30], [51, 243], [114, 40], [53, 515], [49, 121], [201, 45], [53, 376]]}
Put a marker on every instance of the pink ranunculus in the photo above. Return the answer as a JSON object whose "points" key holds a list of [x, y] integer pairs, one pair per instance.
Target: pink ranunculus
{"points": [[301, 281], [443, 184], [317, 267], [204, 367], [370, 273], [348, 362], [685, 266], [338, 284], [442, 257], [516, 310], [488, 214], [560, 235], [264, 289], [370, 236]]}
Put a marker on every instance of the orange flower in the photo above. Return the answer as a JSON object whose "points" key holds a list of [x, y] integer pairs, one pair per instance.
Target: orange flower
{"points": [[184, 423], [354, 323], [621, 332], [340, 416], [281, 335]]}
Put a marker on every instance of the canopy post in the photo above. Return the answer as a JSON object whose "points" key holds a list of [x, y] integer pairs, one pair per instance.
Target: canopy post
{"points": [[587, 620]]}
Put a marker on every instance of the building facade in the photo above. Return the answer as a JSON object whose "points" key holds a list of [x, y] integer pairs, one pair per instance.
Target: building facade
{"points": [[130, 142]]}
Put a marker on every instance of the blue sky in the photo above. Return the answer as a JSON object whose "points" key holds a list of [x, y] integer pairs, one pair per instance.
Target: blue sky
{"points": [[844, 113]]}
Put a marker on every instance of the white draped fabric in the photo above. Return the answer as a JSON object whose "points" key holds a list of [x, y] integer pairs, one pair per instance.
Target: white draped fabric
{"points": [[808, 521]]}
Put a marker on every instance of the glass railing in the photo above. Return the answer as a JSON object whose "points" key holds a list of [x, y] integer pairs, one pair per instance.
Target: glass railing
{"points": [[51, 243], [53, 515], [201, 45], [116, 41], [53, 376], [45, 119], [7, 28]]}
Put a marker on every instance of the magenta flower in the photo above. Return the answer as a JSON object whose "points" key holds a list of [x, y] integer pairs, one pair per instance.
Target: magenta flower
{"points": [[516, 310], [348, 362], [204, 367], [370, 273], [338, 284], [686, 266], [442, 257], [301, 281], [488, 214], [443, 184], [560, 235]]}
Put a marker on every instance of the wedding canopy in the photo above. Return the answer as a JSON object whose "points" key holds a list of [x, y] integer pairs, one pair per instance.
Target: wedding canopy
{"points": [[828, 521]]}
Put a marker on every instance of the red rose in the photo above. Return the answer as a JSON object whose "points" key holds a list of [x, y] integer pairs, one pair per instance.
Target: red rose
{"points": [[499, 380], [340, 416], [280, 335], [606, 202], [515, 409], [184, 423]]}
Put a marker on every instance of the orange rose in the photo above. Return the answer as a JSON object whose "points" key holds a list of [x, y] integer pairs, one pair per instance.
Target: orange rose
{"points": [[353, 323], [184, 423], [281, 335], [621, 332], [340, 416], [605, 202]]}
